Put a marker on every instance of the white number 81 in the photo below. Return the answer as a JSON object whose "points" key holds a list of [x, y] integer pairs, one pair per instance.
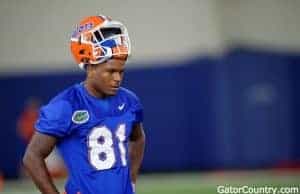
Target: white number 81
{"points": [[100, 143]]}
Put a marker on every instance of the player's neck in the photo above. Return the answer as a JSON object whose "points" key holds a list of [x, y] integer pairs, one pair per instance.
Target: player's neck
{"points": [[92, 91]]}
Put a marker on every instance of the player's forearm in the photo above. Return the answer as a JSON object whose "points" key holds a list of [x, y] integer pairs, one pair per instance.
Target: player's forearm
{"points": [[136, 156], [37, 169]]}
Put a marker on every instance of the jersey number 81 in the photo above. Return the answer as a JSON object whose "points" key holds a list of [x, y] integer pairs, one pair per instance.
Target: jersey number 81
{"points": [[101, 151]]}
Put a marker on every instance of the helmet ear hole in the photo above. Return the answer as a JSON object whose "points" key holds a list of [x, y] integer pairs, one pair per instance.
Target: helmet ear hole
{"points": [[81, 52]]}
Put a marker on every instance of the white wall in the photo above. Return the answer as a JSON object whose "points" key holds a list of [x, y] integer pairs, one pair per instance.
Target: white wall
{"points": [[35, 34], [262, 23]]}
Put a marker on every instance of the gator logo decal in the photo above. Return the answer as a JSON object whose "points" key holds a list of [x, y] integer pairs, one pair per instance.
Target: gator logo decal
{"points": [[80, 116]]}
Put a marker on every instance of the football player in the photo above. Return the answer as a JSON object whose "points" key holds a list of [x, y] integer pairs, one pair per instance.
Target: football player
{"points": [[96, 124]]}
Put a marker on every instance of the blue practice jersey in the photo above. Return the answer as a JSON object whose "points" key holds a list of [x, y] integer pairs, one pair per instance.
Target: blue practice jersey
{"points": [[93, 136]]}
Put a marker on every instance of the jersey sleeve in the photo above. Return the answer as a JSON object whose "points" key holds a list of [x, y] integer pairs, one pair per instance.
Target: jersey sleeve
{"points": [[55, 119], [137, 109]]}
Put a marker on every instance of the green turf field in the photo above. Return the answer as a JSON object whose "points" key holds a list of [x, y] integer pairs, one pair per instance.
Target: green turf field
{"points": [[187, 183]]}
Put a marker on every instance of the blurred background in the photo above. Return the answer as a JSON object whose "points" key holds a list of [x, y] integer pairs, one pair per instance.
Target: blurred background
{"points": [[219, 81]]}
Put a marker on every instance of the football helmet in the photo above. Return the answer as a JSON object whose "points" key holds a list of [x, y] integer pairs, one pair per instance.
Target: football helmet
{"points": [[97, 39]]}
